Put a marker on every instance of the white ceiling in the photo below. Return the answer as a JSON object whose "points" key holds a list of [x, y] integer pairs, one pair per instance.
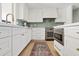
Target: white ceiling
{"points": [[51, 5]]}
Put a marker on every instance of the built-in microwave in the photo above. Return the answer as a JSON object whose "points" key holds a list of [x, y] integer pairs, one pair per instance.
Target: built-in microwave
{"points": [[59, 35]]}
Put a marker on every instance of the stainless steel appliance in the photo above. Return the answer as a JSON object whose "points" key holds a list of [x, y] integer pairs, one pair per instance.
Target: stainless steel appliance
{"points": [[59, 35], [49, 34]]}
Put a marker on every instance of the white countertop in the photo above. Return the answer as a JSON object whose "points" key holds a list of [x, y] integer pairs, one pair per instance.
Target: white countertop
{"points": [[67, 25], [11, 25]]}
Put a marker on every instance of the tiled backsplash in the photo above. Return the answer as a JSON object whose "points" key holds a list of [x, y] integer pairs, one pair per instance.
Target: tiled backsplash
{"points": [[45, 23], [20, 22]]}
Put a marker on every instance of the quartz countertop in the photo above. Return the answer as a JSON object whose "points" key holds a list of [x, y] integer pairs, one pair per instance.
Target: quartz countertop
{"points": [[67, 25], [11, 25]]}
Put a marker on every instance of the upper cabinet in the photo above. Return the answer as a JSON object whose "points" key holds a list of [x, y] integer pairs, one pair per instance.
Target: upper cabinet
{"points": [[25, 12], [22, 11], [49, 12], [35, 15], [64, 15], [19, 11], [61, 15]]}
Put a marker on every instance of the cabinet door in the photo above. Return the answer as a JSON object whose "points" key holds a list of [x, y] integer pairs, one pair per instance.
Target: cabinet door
{"points": [[27, 36], [38, 33], [71, 46], [61, 12], [20, 11], [5, 46], [26, 12], [71, 40], [35, 15], [17, 44], [49, 13], [5, 32]]}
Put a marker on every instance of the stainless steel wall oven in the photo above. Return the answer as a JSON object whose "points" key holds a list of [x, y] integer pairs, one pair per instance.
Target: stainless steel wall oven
{"points": [[59, 35]]}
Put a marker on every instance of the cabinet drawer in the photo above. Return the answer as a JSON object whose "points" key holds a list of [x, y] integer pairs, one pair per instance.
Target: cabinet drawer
{"points": [[5, 31], [73, 45], [18, 31], [5, 45], [72, 32]]}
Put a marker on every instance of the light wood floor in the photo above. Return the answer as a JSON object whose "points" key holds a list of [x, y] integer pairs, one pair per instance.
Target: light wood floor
{"points": [[27, 50]]}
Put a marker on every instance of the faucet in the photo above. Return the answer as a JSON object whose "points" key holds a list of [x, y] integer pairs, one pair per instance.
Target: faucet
{"points": [[7, 17]]}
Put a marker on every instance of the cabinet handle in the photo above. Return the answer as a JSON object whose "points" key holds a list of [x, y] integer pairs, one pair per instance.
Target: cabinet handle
{"points": [[0, 48], [77, 49], [22, 34], [77, 32]]}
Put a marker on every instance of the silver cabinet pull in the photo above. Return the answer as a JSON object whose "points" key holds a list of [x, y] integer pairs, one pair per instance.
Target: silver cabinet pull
{"points": [[77, 32], [0, 48], [22, 34], [77, 49]]}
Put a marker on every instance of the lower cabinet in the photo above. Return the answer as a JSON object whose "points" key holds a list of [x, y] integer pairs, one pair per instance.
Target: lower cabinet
{"points": [[5, 46], [38, 33], [21, 40], [71, 41], [17, 44]]}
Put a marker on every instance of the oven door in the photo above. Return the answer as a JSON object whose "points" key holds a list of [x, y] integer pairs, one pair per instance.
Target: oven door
{"points": [[58, 36]]}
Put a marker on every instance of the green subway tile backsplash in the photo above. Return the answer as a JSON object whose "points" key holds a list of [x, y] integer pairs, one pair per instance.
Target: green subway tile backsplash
{"points": [[47, 22]]}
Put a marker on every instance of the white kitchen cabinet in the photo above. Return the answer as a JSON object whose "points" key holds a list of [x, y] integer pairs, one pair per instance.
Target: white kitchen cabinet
{"points": [[5, 31], [71, 46], [71, 41], [26, 10], [21, 37], [5, 40], [18, 40], [17, 44], [49, 13], [5, 46], [35, 15], [27, 35], [69, 14], [38, 33], [20, 11], [61, 12]]}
